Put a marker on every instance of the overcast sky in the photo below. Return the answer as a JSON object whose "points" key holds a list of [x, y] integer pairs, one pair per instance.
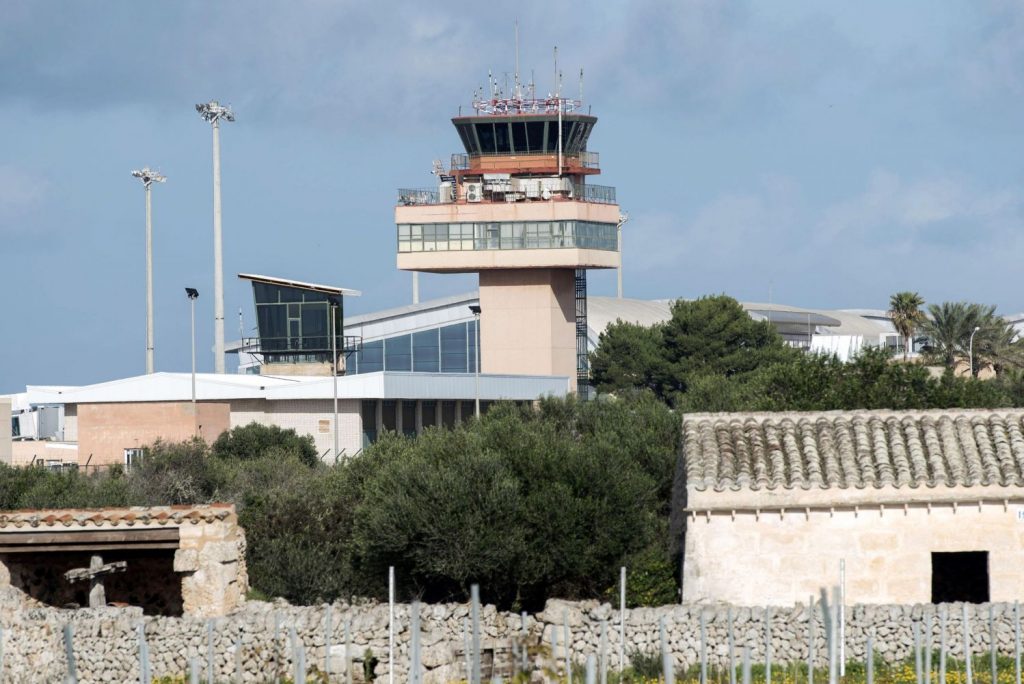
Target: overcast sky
{"points": [[827, 153]]}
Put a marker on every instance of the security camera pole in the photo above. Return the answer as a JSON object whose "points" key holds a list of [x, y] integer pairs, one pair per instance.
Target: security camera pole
{"points": [[148, 177], [193, 294], [213, 112]]}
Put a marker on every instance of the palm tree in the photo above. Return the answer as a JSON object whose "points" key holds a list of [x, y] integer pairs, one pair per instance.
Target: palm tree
{"points": [[949, 327], [905, 312]]}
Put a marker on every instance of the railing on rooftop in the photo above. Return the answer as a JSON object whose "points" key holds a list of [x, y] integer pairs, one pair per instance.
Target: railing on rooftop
{"points": [[413, 196], [597, 194], [600, 194], [586, 159]]}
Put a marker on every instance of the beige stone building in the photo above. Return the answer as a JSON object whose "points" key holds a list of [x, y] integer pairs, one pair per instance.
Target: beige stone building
{"points": [[168, 560], [920, 506], [5, 430]]}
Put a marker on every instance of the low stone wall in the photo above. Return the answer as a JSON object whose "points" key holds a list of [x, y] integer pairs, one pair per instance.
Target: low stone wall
{"points": [[106, 644]]}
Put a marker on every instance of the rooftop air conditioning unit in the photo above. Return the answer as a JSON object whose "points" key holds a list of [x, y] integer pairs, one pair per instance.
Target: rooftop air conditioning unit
{"points": [[474, 192]]}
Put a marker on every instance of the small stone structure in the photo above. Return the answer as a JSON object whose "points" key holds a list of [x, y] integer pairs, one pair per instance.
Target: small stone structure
{"points": [[177, 559], [106, 645], [920, 505]]}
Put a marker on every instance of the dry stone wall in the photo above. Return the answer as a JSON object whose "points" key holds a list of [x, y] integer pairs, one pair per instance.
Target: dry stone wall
{"points": [[106, 641]]}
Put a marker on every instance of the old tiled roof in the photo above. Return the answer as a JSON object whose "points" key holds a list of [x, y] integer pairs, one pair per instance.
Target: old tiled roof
{"points": [[854, 449], [115, 517]]}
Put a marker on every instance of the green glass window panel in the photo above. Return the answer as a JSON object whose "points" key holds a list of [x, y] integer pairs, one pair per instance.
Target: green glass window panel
{"points": [[454, 348], [535, 135], [426, 351], [519, 137], [502, 139], [397, 353], [371, 357], [485, 134]]}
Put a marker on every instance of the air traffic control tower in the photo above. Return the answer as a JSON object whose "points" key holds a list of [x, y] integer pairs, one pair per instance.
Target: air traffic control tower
{"points": [[516, 208]]}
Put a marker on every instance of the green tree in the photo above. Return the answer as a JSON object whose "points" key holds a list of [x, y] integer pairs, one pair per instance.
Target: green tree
{"points": [[254, 440], [716, 335], [905, 312], [628, 356]]}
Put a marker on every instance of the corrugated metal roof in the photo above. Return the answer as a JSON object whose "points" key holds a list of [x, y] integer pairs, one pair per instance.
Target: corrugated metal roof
{"points": [[390, 385]]}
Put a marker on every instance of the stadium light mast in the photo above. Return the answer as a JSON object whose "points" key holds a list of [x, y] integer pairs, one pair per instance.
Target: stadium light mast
{"points": [[148, 177], [214, 112]]}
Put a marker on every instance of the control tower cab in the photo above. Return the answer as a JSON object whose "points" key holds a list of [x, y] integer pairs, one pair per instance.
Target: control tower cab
{"points": [[516, 208]]}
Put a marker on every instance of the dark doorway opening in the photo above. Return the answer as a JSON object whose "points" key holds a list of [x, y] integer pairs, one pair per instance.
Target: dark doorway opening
{"points": [[961, 576], [149, 580]]}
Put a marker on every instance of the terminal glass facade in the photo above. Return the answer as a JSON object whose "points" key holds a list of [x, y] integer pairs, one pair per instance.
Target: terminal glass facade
{"points": [[457, 237], [294, 323], [448, 349]]}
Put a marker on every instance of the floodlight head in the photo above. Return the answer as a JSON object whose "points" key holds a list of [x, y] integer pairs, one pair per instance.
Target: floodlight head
{"points": [[475, 308], [192, 293], [148, 176], [213, 111]]}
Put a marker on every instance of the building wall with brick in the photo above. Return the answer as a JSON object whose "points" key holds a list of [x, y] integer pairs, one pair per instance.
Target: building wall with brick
{"points": [[5, 430], [106, 430], [313, 417]]}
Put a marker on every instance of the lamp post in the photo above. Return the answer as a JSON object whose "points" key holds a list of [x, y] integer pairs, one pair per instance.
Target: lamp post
{"points": [[475, 308], [193, 294], [333, 303], [148, 177], [213, 112], [971, 349]]}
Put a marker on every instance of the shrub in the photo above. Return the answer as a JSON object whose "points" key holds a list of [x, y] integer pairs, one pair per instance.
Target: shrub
{"points": [[252, 440]]}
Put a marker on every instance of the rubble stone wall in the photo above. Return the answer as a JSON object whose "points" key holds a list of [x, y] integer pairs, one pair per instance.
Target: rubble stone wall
{"points": [[106, 642]]}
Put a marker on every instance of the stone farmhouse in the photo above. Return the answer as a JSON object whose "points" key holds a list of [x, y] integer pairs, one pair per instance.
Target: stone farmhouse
{"points": [[167, 560], [919, 506]]}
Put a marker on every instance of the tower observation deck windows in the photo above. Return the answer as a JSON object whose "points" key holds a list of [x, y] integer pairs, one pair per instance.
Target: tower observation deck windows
{"points": [[294, 324], [497, 135], [455, 237]]}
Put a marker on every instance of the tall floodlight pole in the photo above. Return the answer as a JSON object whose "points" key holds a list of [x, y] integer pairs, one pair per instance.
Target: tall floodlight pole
{"points": [[193, 294], [148, 177], [214, 112], [475, 308]]}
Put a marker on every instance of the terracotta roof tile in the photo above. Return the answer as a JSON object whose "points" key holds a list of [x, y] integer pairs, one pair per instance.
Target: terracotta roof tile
{"points": [[858, 449], [115, 517]]}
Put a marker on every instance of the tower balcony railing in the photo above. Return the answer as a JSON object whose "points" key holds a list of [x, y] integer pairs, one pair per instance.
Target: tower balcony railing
{"points": [[462, 161], [601, 194], [408, 197], [581, 192]]}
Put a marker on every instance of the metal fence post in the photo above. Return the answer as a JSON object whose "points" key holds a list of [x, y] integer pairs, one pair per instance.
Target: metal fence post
{"points": [[810, 641], [732, 646], [69, 653], [474, 592], [667, 664], [328, 637], [703, 649], [209, 652], [568, 646], [622, 619], [992, 640], [768, 646], [943, 611], [967, 647], [869, 660]]}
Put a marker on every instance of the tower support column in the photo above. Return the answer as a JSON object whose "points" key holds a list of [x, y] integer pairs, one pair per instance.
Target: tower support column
{"points": [[528, 322]]}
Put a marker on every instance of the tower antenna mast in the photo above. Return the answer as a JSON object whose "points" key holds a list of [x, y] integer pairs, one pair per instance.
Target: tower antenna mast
{"points": [[518, 93]]}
